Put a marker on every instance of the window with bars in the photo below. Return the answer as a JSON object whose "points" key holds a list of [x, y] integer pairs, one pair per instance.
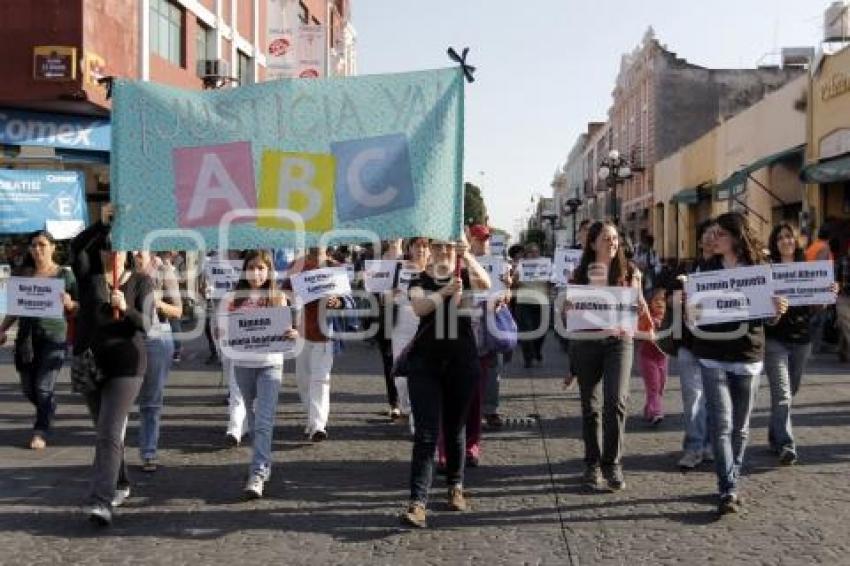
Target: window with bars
{"points": [[167, 30]]}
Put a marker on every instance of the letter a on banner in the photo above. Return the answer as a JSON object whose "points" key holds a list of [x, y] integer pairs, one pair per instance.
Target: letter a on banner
{"points": [[300, 182]]}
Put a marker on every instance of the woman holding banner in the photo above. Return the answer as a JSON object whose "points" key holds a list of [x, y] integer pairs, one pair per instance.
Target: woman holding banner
{"points": [[787, 350], [41, 342], [116, 307], [731, 357], [258, 376], [443, 371], [602, 361]]}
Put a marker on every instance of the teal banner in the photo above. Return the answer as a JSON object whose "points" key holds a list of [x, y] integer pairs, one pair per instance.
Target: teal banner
{"points": [[288, 163]]}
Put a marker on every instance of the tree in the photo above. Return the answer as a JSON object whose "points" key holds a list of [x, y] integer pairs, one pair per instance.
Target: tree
{"points": [[474, 209]]}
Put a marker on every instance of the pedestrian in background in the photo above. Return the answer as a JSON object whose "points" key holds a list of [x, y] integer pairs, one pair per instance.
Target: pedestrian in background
{"points": [[652, 362]]}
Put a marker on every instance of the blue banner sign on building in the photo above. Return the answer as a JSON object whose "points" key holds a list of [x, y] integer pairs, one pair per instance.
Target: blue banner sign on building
{"points": [[54, 130], [30, 200]]}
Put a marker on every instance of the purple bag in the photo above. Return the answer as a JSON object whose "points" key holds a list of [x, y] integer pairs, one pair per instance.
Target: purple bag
{"points": [[502, 337]]}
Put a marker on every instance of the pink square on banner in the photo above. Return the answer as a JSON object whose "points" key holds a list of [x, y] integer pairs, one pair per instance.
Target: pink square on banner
{"points": [[212, 180]]}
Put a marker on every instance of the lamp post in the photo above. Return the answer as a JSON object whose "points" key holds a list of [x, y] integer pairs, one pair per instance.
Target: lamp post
{"points": [[614, 170], [573, 204]]}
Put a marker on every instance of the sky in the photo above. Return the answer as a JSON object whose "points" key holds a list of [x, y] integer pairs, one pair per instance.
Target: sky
{"points": [[547, 67]]}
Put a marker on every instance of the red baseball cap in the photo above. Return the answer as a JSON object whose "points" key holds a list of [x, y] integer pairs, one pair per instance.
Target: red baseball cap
{"points": [[479, 232]]}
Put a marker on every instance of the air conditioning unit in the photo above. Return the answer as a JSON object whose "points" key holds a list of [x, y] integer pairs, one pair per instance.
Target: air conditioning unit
{"points": [[213, 68]]}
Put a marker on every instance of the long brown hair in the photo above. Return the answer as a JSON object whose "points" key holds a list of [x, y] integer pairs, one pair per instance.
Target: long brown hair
{"points": [[620, 272], [773, 243], [746, 245], [270, 286]]}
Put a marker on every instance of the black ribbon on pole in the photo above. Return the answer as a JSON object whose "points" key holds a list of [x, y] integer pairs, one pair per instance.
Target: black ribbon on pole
{"points": [[106, 82], [468, 69]]}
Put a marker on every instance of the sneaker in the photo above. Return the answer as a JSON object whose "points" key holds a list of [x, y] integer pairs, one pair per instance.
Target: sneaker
{"points": [[37, 442], [395, 413], [690, 460], [254, 487], [230, 441], [177, 358], [99, 514], [614, 478], [149, 465], [788, 457], [592, 477], [472, 461], [319, 436], [415, 516], [494, 421], [121, 495], [457, 502], [656, 420], [729, 503]]}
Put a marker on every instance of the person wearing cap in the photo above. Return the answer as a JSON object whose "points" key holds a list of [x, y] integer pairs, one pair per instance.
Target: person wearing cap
{"points": [[529, 312]]}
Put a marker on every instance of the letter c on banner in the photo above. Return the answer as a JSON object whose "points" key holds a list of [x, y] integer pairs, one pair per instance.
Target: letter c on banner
{"points": [[355, 179]]}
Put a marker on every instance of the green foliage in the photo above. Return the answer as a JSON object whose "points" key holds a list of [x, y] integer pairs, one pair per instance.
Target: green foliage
{"points": [[474, 209]]}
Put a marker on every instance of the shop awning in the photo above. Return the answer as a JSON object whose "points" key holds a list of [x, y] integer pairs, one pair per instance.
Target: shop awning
{"points": [[737, 181], [832, 171], [690, 196]]}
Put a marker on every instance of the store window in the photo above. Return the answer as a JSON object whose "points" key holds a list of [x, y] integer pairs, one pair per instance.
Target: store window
{"points": [[167, 29]]}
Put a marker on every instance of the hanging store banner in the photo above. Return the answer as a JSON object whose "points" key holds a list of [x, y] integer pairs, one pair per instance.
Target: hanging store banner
{"points": [[281, 61], [31, 199], [279, 164], [730, 295], [805, 283], [311, 49]]}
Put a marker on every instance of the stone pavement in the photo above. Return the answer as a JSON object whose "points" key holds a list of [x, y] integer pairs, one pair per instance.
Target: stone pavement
{"points": [[337, 502]]}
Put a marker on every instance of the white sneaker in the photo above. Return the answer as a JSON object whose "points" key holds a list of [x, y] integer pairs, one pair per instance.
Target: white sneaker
{"points": [[254, 487], [690, 460], [121, 495], [99, 514], [708, 454]]}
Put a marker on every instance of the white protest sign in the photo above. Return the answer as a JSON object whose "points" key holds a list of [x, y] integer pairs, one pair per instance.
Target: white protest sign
{"points": [[349, 270], [405, 276], [378, 274], [496, 267], [256, 331], [535, 270], [602, 308], [223, 275], [318, 283], [498, 244], [566, 261], [731, 295], [804, 283], [35, 297]]}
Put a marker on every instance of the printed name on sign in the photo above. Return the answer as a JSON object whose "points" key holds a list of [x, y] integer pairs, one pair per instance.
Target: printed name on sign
{"points": [[496, 268], [326, 282], [602, 308], [223, 275], [566, 261], [535, 270], [35, 297], [805, 283], [731, 295], [378, 275], [253, 334]]}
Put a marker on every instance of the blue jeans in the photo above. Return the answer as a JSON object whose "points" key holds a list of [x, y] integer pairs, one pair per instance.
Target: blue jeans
{"points": [[494, 367], [159, 348], [729, 399], [784, 364], [694, 414], [263, 385], [38, 380]]}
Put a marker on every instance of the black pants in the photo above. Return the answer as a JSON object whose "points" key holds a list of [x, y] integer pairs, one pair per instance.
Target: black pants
{"points": [[529, 318], [441, 390], [386, 348]]}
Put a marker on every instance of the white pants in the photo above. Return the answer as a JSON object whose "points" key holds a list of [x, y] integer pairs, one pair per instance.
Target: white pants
{"points": [[407, 324], [313, 374], [237, 424]]}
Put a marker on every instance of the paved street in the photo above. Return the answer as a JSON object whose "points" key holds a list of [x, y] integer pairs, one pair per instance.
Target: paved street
{"points": [[337, 502]]}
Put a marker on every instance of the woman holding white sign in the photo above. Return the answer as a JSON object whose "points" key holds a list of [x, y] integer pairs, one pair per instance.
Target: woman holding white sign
{"points": [[731, 356], [787, 350], [443, 371], [604, 364], [258, 375], [41, 342]]}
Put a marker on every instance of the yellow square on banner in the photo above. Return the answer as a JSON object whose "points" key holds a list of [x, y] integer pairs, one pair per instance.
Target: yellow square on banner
{"points": [[299, 182]]}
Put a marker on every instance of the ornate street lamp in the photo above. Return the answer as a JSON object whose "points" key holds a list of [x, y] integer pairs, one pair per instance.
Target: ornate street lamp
{"points": [[571, 206], [612, 171]]}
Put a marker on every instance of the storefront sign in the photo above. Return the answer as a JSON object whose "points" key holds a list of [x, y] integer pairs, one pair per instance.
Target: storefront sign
{"points": [[257, 331], [566, 260], [805, 283], [312, 285], [54, 63], [54, 130], [35, 297], [29, 199], [311, 51], [602, 308], [535, 270], [378, 275], [835, 86], [281, 62], [731, 295], [835, 144], [222, 276]]}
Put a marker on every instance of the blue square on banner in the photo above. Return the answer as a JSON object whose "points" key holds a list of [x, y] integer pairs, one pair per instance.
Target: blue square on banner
{"points": [[372, 176]]}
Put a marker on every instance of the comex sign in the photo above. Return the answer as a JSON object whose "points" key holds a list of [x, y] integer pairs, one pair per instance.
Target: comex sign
{"points": [[30, 128]]}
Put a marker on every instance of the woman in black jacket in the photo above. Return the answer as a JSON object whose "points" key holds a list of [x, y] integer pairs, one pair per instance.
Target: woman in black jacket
{"points": [[109, 357]]}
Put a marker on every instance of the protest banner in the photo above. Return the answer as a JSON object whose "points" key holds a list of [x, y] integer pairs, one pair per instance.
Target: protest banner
{"points": [[602, 308], [35, 297], [379, 274], [804, 283], [730, 295], [496, 268], [256, 331], [222, 276], [240, 167], [405, 276], [351, 272], [312, 285], [498, 245], [535, 270], [566, 260]]}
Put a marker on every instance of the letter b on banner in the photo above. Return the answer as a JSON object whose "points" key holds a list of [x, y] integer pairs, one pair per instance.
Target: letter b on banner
{"points": [[300, 182]]}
